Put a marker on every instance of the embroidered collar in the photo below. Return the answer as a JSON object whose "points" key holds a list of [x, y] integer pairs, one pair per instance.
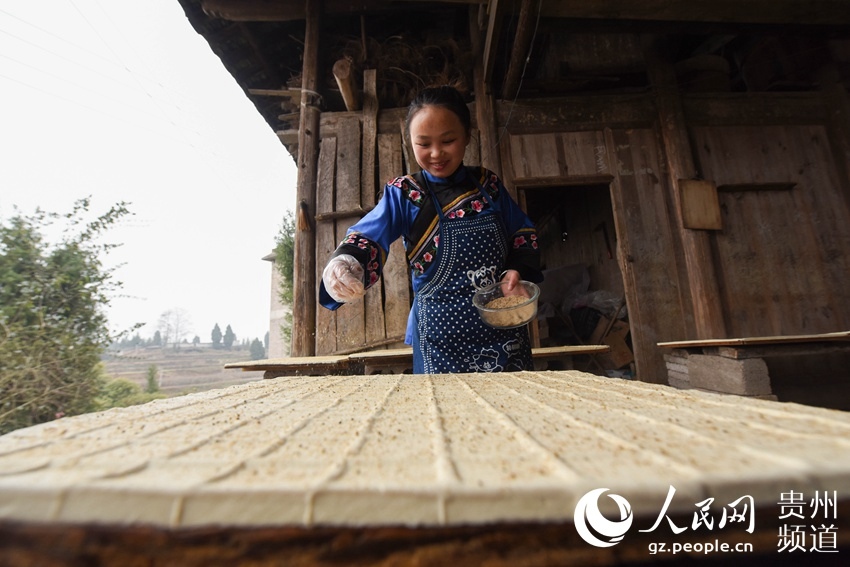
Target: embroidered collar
{"points": [[454, 178]]}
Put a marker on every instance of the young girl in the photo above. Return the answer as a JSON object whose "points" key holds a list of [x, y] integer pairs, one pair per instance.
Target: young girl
{"points": [[462, 231]]}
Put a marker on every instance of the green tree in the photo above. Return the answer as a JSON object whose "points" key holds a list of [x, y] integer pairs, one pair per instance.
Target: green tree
{"points": [[257, 350], [284, 262], [229, 337], [216, 336], [53, 326], [152, 379], [157, 339]]}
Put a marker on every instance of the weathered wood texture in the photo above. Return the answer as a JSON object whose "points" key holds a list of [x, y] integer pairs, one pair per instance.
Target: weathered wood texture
{"points": [[374, 306], [640, 234], [701, 278], [797, 12], [640, 195], [783, 255], [304, 282], [574, 113], [484, 103], [379, 319], [326, 241], [396, 280], [350, 318]]}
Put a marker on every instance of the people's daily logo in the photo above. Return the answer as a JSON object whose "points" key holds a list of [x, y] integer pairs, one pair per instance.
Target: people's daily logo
{"points": [[596, 529]]}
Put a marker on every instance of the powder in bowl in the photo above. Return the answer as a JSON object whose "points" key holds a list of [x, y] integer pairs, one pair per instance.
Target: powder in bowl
{"points": [[507, 311]]}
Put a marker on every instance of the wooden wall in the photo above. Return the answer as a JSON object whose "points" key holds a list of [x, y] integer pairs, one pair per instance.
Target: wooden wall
{"points": [[625, 161], [379, 318], [780, 258], [783, 249]]}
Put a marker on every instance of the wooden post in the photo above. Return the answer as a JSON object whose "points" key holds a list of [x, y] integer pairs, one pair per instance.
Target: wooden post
{"points": [[304, 281], [345, 81], [485, 114], [522, 46], [702, 278], [838, 126]]}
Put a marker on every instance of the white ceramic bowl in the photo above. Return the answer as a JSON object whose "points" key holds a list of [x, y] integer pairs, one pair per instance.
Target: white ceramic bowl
{"points": [[519, 313]]}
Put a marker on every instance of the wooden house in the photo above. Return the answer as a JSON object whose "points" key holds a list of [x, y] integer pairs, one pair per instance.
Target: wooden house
{"points": [[692, 155]]}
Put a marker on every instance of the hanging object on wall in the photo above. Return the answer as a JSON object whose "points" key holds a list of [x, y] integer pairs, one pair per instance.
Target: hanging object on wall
{"points": [[700, 205]]}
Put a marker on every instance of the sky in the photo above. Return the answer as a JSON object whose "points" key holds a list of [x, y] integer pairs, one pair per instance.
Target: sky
{"points": [[124, 101]]}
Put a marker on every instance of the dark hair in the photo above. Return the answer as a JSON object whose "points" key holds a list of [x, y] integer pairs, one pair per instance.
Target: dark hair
{"points": [[446, 96]]}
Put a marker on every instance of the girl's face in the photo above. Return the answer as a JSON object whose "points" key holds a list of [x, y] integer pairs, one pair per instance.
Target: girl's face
{"points": [[439, 140]]}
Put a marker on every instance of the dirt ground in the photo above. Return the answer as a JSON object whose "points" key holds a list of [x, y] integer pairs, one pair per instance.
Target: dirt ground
{"points": [[185, 370]]}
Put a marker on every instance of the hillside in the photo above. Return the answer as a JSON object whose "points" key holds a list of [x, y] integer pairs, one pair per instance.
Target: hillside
{"points": [[189, 369]]}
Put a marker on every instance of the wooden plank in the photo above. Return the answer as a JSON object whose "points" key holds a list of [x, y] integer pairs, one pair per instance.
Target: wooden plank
{"points": [[344, 76], [645, 251], [402, 358], [410, 165], [568, 114], [336, 215], [778, 186], [350, 321], [492, 36], [472, 155], [326, 241], [535, 155], [823, 13], [484, 108], [700, 205], [562, 181], [294, 364], [774, 340], [790, 349], [801, 235], [521, 45], [584, 153], [374, 305], [396, 275], [826, 13], [304, 281], [758, 109], [702, 279], [283, 93], [368, 187]]}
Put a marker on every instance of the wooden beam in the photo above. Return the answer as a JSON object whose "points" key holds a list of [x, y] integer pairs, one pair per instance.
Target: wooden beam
{"points": [[304, 281], [285, 93], [702, 278], [346, 214], [491, 39], [521, 50], [830, 13], [292, 10], [344, 76], [485, 113]]}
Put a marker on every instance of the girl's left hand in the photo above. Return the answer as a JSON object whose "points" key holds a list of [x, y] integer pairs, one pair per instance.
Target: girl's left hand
{"points": [[512, 287]]}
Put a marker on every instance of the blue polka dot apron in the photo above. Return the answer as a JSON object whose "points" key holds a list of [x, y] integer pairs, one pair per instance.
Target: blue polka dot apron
{"points": [[449, 333]]}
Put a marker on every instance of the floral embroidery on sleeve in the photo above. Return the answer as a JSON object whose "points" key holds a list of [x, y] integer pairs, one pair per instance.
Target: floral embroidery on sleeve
{"points": [[373, 264], [409, 189], [526, 238]]}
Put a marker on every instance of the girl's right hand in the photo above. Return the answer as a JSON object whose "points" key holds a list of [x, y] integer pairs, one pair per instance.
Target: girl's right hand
{"points": [[343, 278]]}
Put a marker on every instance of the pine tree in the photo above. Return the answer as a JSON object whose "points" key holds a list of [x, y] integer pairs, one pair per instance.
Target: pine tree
{"points": [[216, 336], [152, 379], [229, 338], [257, 350]]}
